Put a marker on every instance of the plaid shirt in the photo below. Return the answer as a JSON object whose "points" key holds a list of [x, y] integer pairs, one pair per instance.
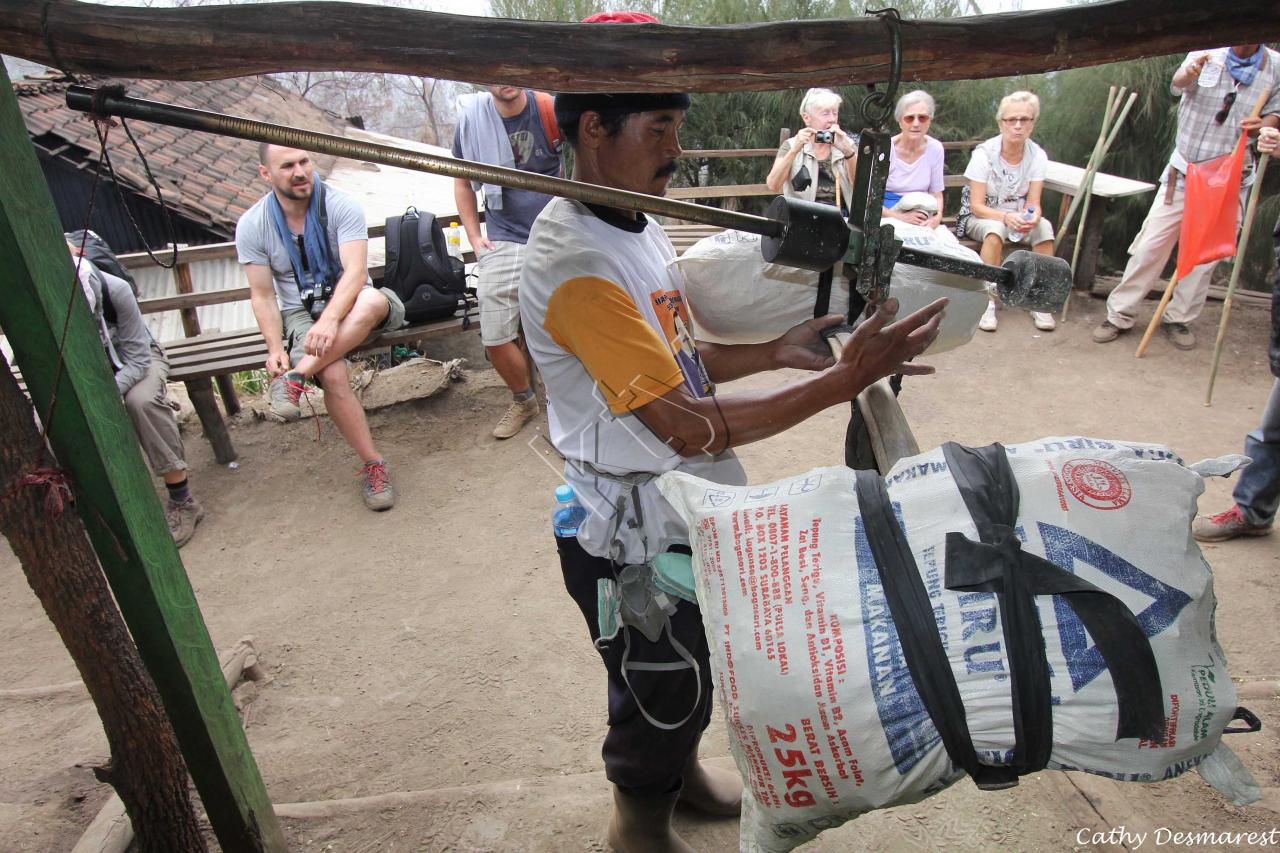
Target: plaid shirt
{"points": [[1202, 138]]}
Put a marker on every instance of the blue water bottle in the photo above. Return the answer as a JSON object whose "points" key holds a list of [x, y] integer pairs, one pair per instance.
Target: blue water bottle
{"points": [[568, 514]]}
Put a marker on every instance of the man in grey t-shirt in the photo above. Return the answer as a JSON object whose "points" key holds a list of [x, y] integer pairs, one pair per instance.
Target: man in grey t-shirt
{"points": [[505, 126], [304, 247]]}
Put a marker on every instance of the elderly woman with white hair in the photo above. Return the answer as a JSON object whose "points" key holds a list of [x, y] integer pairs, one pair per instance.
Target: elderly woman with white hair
{"points": [[1006, 177], [819, 159], [915, 162]]}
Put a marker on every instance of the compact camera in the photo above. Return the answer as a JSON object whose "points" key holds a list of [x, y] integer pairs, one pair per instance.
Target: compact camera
{"points": [[824, 136]]}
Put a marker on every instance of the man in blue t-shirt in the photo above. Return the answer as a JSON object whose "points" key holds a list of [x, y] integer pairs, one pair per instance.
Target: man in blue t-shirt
{"points": [[504, 127]]}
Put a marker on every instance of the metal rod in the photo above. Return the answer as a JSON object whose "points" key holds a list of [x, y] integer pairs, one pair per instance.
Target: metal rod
{"points": [[959, 266], [82, 98]]}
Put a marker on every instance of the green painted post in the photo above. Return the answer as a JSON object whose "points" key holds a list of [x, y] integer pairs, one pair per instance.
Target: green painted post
{"points": [[94, 441]]}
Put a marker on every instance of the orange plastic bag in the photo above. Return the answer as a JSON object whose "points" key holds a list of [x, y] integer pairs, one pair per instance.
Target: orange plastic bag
{"points": [[1211, 209]]}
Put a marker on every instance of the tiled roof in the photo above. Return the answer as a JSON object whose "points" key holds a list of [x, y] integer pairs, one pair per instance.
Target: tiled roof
{"points": [[211, 179]]}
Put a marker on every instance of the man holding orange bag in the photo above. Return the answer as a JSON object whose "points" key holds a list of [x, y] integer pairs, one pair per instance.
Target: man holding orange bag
{"points": [[1219, 91]]}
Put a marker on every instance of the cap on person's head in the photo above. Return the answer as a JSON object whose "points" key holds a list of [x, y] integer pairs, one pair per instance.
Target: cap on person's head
{"points": [[570, 106]]}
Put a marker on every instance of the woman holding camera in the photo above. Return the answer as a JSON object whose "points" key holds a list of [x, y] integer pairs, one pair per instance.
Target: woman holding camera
{"points": [[810, 163], [915, 161], [1006, 177]]}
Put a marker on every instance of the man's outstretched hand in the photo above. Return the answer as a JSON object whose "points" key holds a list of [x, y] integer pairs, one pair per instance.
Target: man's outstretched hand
{"points": [[882, 347]]}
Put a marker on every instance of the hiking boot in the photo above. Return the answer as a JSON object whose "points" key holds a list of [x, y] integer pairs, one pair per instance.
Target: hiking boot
{"points": [[519, 413], [182, 518], [1180, 335], [1226, 525], [1107, 332], [1044, 321], [284, 393], [988, 322], [377, 490]]}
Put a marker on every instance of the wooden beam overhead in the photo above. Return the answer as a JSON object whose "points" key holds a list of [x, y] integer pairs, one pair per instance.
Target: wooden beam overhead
{"points": [[213, 42]]}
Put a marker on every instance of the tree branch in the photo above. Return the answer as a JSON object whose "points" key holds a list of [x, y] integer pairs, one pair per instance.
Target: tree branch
{"points": [[212, 42]]}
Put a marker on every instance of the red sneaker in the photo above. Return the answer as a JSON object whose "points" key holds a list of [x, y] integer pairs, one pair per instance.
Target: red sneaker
{"points": [[1226, 525]]}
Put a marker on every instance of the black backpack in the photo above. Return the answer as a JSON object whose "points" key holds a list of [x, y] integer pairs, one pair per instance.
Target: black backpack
{"points": [[97, 250], [431, 284]]}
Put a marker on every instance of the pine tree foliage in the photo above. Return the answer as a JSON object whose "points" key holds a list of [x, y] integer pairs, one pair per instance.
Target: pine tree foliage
{"points": [[1072, 107]]}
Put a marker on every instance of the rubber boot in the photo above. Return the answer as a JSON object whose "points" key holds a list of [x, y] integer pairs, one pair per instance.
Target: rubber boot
{"points": [[643, 824], [711, 790]]}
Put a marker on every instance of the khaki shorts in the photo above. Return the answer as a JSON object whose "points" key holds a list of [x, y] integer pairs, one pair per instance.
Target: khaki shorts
{"points": [[978, 229], [297, 322], [497, 288]]}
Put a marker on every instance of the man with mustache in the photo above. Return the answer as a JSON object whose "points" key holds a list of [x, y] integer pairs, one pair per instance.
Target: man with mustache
{"points": [[631, 395], [505, 127], [304, 247]]}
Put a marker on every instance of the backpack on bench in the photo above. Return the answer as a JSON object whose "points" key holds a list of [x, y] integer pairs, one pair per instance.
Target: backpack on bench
{"points": [[431, 283]]}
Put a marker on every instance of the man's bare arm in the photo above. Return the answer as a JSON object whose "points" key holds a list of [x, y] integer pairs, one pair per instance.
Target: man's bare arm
{"points": [[802, 347], [697, 426], [262, 297], [468, 211]]}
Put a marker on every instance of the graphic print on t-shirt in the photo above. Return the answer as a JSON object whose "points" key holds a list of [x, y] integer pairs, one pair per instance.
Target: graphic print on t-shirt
{"points": [[669, 307], [522, 143]]}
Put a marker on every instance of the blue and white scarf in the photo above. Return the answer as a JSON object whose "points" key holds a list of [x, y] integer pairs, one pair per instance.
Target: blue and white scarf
{"points": [[1243, 71], [320, 271]]}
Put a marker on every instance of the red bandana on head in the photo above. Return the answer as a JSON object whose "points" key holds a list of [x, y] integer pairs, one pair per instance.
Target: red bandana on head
{"points": [[620, 18]]}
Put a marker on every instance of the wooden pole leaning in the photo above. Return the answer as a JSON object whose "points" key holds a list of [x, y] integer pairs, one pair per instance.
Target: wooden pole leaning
{"points": [[1092, 172], [94, 441], [1107, 114], [1173, 282], [1089, 177], [1249, 211], [1090, 167]]}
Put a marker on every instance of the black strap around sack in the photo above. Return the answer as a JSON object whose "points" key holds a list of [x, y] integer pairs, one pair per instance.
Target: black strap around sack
{"points": [[997, 564]]}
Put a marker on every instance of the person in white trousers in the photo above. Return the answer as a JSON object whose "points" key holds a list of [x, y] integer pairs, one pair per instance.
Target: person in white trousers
{"points": [[1219, 90]]}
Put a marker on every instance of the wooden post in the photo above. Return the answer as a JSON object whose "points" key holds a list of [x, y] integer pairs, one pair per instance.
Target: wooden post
{"points": [[94, 442], [225, 387], [146, 767]]}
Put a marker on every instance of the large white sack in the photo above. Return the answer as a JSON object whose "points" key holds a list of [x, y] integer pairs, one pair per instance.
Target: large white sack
{"points": [[808, 661], [737, 298]]}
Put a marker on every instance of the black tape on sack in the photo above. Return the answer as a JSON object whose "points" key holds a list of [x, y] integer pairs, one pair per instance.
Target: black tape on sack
{"points": [[918, 632], [997, 564]]}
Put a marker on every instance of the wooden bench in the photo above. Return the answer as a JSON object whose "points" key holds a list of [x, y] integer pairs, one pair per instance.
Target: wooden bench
{"points": [[201, 360], [1061, 177]]}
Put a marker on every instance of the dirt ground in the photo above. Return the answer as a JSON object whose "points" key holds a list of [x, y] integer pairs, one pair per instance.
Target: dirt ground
{"points": [[432, 650]]}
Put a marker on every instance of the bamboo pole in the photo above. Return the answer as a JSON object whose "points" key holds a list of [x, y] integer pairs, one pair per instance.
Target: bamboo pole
{"points": [[1107, 114], [1089, 178], [1173, 282], [1112, 99], [1088, 184], [1249, 211], [1155, 320]]}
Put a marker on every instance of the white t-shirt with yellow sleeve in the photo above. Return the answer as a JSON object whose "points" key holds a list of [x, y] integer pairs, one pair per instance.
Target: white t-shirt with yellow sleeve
{"points": [[605, 319]]}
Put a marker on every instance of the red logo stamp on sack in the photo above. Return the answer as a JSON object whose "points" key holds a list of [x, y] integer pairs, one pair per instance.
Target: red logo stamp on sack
{"points": [[1097, 484]]}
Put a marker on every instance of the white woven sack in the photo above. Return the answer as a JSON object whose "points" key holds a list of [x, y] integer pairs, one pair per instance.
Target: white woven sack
{"points": [[736, 297], [825, 722]]}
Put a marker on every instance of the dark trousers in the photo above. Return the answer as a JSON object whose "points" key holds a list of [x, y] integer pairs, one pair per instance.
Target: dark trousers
{"points": [[644, 759]]}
